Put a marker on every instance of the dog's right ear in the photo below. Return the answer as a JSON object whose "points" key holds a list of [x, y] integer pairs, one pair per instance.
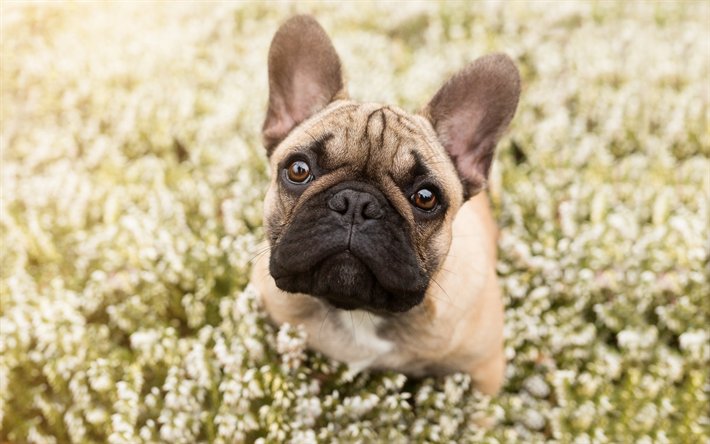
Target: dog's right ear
{"points": [[304, 77]]}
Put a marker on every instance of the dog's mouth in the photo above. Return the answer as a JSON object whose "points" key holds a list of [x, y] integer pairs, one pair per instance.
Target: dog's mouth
{"points": [[349, 247], [346, 282]]}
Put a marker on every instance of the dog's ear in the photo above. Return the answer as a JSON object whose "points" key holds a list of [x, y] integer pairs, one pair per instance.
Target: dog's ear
{"points": [[304, 77], [470, 113]]}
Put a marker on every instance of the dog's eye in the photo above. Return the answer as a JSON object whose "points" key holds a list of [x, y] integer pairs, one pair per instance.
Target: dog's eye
{"points": [[424, 199], [299, 172]]}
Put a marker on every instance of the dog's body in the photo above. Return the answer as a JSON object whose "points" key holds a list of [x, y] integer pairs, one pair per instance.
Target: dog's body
{"points": [[458, 328], [375, 246]]}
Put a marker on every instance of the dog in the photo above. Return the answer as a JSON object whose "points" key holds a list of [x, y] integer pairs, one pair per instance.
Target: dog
{"points": [[381, 241]]}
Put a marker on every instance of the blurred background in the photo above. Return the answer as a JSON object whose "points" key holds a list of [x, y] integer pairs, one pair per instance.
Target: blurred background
{"points": [[132, 174]]}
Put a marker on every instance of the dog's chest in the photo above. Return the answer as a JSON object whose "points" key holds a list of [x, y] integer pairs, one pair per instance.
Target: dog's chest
{"points": [[361, 327]]}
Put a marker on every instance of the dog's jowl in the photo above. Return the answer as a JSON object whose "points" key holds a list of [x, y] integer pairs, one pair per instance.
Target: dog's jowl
{"points": [[379, 215]]}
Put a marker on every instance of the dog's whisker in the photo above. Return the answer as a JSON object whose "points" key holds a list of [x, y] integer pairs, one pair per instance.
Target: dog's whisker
{"points": [[362, 319], [327, 313], [444, 301], [352, 322], [445, 292], [258, 255], [448, 271], [372, 321]]}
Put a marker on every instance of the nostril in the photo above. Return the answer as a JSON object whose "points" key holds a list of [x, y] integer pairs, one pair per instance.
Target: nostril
{"points": [[339, 203], [371, 210]]}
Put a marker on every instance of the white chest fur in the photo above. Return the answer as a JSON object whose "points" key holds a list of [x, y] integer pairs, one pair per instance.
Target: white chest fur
{"points": [[361, 329]]}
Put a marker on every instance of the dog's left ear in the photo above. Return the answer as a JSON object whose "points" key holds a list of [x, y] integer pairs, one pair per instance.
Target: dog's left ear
{"points": [[470, 113], [304, 77]]}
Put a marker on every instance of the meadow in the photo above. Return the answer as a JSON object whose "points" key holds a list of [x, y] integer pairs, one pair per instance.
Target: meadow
{"points": [[132, 179]]}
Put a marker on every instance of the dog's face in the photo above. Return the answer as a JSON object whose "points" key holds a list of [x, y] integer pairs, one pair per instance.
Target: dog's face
{"points": [[360, 207], [363, 196]]}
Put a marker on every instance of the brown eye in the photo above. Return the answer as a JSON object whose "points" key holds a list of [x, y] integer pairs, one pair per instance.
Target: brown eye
{"points": [[299, 172], [424, 199]]}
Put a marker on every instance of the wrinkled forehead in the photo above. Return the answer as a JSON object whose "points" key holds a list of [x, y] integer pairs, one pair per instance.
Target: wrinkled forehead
{"points": [[372, 140]]}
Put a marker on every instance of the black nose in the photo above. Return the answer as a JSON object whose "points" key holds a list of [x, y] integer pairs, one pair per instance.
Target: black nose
{"points": [[355, 205]]}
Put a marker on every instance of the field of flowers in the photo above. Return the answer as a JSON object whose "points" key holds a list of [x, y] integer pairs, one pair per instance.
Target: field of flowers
{"points": [[132, 180]]}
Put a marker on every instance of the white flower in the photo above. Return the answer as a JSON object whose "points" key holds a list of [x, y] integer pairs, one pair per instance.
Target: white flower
{"points": [[537, 386]]}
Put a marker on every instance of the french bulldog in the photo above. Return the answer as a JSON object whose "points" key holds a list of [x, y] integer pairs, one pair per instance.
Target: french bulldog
{"points": [[381, 242]]}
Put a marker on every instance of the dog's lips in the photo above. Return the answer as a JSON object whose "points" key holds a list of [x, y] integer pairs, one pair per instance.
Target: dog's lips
{"points": [[342, 269], [346, 282]]}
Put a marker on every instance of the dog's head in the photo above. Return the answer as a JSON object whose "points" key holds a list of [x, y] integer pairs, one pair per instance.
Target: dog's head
{"points": [[363, 196]]}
